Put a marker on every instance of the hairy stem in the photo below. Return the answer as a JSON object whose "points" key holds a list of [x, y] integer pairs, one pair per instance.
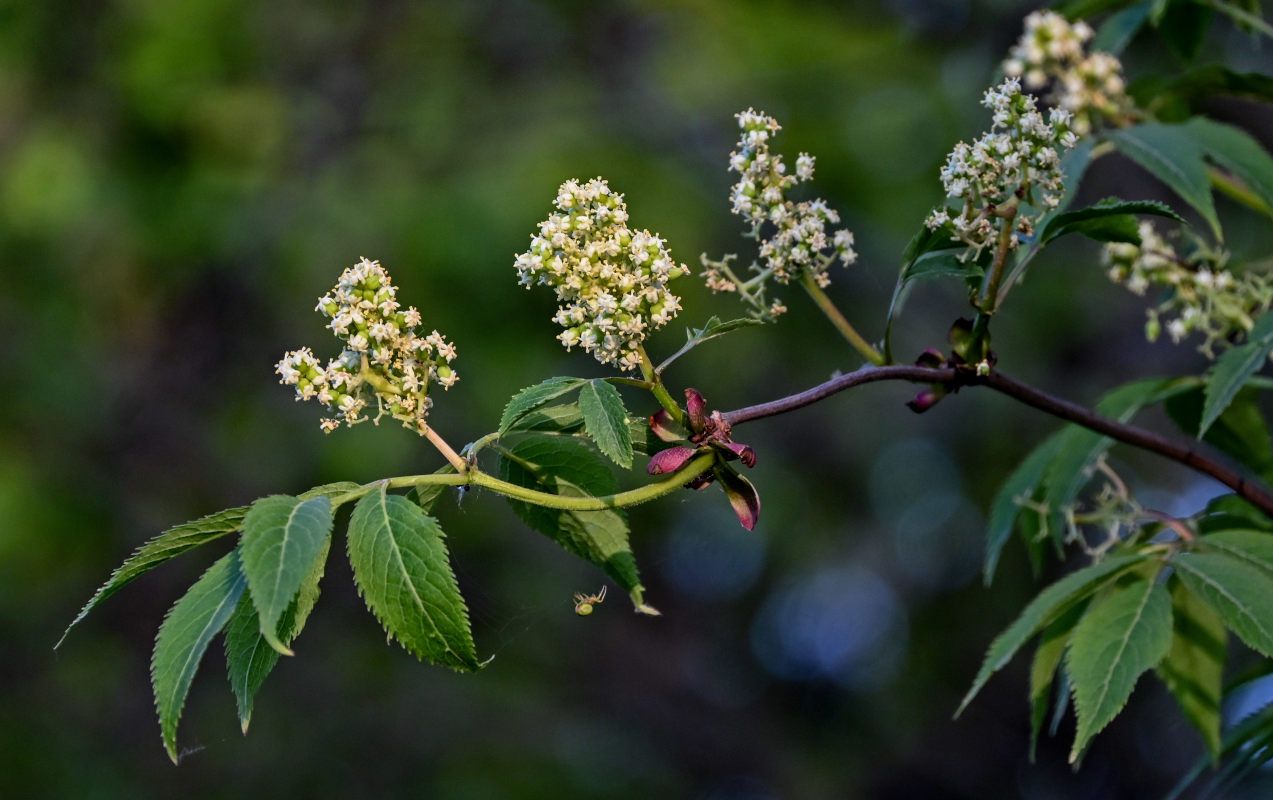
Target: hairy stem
{"points": [[1248, 488], [475, 477], [445, 449], [841, 324], [651, 376]]}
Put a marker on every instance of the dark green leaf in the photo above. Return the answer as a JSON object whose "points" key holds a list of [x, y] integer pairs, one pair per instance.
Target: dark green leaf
{"points": [[533, 397], [1171, 155], [1205, 82], [1050, 604], [403, 571], [1230, 511], [1240, 431], [1112, 210], [1254, 547], [1074, 10], [1183, 26], [184, 637], [606, 420], [1240, 592], [1234, 150], [169, 544], [283, 538], [1047, 658], [559, 465], [1006, 507], [1194, 667], [249, 658], [1233, 367], [1125, 632], [1120, 28]]}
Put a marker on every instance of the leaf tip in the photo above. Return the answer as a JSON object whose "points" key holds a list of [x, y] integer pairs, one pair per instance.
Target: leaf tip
{"points": [[647, 610]]}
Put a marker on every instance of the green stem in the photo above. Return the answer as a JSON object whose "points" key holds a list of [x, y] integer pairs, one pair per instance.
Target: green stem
{"points": [[988, 299], [475, 477], [1245, 17], [660, 392], [841, 324]]}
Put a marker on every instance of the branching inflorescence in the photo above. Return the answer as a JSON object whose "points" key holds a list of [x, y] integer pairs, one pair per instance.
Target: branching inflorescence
{"points": [[385, 360], [612, 281]]}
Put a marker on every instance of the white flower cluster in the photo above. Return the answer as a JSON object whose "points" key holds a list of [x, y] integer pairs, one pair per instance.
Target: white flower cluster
{"points": [[1018, 160], [384, 361], [611, 281], [800, 240], [1089, 85], [1203, 296]]}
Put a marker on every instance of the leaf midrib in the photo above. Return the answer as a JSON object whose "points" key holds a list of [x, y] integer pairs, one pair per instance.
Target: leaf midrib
{"points": [[397, 552]]}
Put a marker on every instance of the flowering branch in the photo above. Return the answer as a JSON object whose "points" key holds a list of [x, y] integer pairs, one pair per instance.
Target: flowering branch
{"points": [[1249, 489]]}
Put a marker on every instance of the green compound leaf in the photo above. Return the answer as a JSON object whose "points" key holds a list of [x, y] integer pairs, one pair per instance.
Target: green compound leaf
{"points": [[403, 570], [1047, 658], [184, 636], [710, 330], [329, 490], [565, 466], [1006, 507], [1049, 605], [169, 544], [1110, 220], [1239, 592], [249, 658], [1253, 547], [532, 397], [283, 539], [1234, 150], [1233, 368], [1169, 153], [1194, 668], [1125, 632], [606, 420]]}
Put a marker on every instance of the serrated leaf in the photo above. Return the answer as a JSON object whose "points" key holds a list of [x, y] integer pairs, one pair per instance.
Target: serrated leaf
{"points": [[563, 418], [184, 637], [1240, 431], [1232, 369], [1047, 658], [1050, 604], [1086, 220], [283, 538], [710, 330], [1125, 632], [1230, 511], [532, 397], [403, 570], [1194, 667], [606, 420], [1171, 155], [167, 545], [249, 658], [1238, 591], [569, 468], [1254, 547], [1006, 507], [1236, 151], [329, 490], [1119, 29]]}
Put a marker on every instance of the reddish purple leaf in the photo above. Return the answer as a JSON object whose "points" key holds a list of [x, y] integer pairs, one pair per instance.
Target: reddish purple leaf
{"points": [[697, 408], [742, 496], [669, 460], [662, 425], [743, 452]]}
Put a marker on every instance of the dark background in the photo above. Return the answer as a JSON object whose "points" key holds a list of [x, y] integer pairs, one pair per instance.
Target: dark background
{"points": [[179, 179]]}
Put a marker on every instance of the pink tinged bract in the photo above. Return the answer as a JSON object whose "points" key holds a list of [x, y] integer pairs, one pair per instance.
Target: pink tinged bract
{"points": [[669, 460], [662, 426], [742, 496], [743, 452], [697, 407]]}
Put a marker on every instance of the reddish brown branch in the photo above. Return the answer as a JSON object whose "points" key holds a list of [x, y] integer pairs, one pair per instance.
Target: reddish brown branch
{"points": [[1248, 488]]}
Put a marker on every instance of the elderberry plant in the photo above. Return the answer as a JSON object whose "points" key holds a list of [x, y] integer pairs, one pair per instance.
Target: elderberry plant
{"points": [[1179, 596]]}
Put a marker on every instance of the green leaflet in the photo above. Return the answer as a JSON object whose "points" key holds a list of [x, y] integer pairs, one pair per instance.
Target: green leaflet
{"points": [[532, 397], [710, 330], [1125, 632], [1254, 547], [1234, 150], [1119, 29], [403, 571], [1170, 154], [1240, 430], [561, 465], [1238, 591], [329, 490], [1232, 369], [1110, 220], [184, 636], [1050, 604], [249, 658], [1194, 667], [606, 420], [169, 544], [1047, 658], [1005, 508], [283, 538]]}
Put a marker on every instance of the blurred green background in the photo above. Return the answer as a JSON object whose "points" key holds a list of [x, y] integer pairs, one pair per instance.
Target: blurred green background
{"points": [[179, 179]]}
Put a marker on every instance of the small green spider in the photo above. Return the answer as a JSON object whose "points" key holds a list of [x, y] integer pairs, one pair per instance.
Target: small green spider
{"points": [[585, 602]]}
